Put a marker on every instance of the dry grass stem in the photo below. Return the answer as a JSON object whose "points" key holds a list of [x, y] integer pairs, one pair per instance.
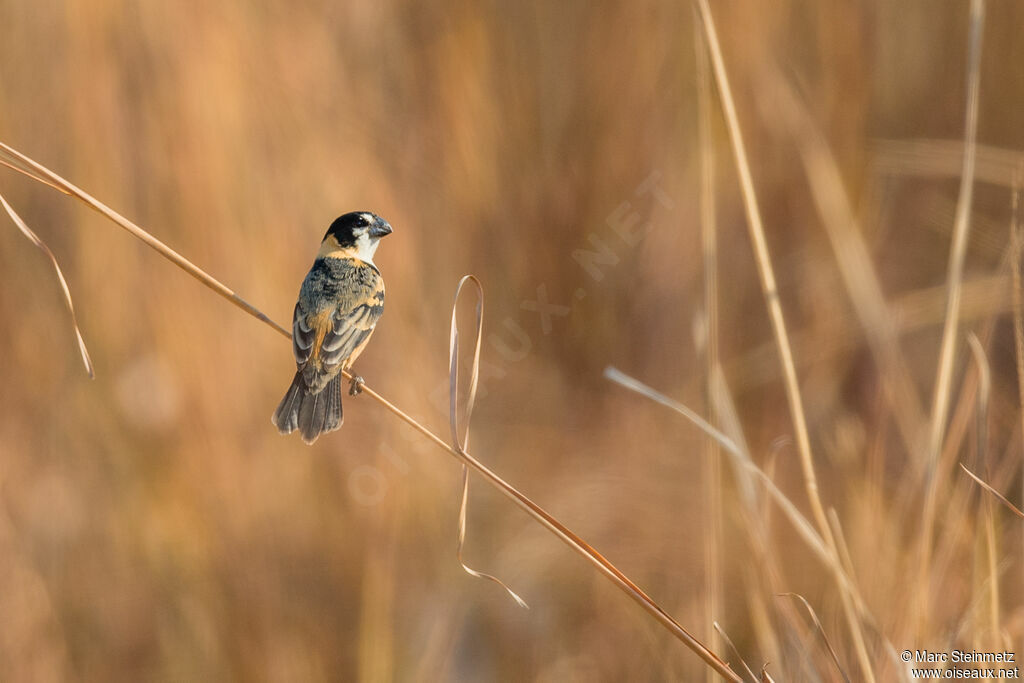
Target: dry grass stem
{"points": [[958, 251], [956, 503], [709, 243]]}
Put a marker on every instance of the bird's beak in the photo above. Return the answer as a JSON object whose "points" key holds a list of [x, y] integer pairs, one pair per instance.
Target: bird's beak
{"points": [[380, 228]]}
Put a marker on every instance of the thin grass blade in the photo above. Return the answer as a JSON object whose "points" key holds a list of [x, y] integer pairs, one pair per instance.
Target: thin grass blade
{"points": [[983, 484], [821, 630], [34, 238]]}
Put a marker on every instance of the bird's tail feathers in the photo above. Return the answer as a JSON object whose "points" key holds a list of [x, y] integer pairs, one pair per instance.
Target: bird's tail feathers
{"points": [[286, 417], [312, 414]]}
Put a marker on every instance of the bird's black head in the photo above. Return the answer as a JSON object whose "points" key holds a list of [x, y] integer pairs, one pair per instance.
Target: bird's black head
{"points": [[358, 227]]}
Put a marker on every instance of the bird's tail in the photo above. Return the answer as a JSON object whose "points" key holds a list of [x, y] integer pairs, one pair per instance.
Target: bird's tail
{"points": [[311, 414]]}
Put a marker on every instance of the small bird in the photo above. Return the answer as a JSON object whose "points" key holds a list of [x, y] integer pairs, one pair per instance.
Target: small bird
{"points": [[340, 302]]}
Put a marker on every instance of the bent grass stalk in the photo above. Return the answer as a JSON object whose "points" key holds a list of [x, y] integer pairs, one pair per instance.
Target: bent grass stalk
{"points": [[34, 238], [462, 442], [33, 169]]}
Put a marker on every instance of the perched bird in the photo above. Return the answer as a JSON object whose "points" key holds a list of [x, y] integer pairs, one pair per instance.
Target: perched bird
{"points": [[339, 304]]}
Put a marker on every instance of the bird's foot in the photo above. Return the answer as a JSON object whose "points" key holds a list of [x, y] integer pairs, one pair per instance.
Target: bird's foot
{"points": [[356, 386]]}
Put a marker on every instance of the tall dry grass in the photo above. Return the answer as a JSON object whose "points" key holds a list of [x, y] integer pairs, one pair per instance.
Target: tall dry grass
{"points": [[152, 524]]}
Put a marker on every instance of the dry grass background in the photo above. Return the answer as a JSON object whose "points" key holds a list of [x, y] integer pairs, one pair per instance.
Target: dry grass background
{"points": [[153, 526]]}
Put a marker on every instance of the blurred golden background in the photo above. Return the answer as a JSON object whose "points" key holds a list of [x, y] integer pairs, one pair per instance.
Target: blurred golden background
{"points": [[154, 525]]}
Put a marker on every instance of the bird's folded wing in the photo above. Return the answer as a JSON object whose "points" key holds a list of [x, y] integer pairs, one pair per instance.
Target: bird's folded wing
{"points": [[350, 330], [303, 336]]}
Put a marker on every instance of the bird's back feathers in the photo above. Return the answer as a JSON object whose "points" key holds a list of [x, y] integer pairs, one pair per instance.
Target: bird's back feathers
{"points": [[339, 304]]}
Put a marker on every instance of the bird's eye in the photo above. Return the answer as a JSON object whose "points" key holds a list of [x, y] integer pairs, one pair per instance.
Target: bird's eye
{"points": [[362, 222]]}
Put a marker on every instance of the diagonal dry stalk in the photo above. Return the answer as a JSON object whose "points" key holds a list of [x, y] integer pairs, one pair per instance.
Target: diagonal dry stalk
{"points": [[991, 489], [958, 251], [771, 294], [24, 164], [34, 170]]}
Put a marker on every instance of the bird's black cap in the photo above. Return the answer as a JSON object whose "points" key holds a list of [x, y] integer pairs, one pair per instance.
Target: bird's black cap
{"points": [[346, 229]]}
